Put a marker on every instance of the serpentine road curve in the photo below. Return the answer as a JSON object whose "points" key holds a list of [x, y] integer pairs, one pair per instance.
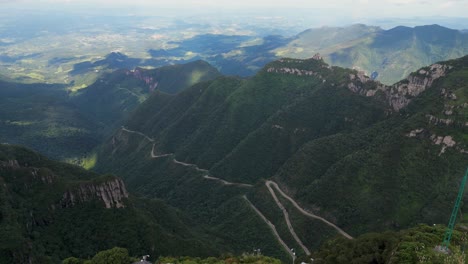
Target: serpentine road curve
{"points": [[272, 227], [304, 212], [269, 185], [288, 221]]}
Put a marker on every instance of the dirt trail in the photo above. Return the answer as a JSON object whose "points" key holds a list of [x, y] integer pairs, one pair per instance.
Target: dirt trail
{"points": [[304, 212], [226, 182], [288, 221], [272, 227]]}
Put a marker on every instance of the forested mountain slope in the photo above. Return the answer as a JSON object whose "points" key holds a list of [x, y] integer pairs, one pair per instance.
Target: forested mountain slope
{"points": [[51, 210], [387, 55], [363, 155], [67, 126]]}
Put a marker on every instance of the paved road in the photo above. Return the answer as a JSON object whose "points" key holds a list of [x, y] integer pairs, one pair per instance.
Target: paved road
{"points": [[272, 227], [154, 156], [288, 221], [139, 133], [226, 182], [268, 184], [304, 212]]}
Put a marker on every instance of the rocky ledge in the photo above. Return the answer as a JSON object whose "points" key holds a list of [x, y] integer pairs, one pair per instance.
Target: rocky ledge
{"points": [[400, 94], [111, 193]]}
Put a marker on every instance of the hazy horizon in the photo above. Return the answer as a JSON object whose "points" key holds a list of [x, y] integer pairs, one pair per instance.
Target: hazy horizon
{"points": [[305, 14]]}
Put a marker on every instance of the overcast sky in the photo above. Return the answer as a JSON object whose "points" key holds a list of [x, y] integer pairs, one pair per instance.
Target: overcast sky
{"points": [[374, 8]]}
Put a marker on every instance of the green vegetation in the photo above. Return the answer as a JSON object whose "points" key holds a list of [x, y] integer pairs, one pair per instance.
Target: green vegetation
{"points": [[41, 117], [343, 156], [415, 245], [115, 255], [392, 53], [120, 256], [51, 210], [67, 126], [113, 97], [245, 258]]}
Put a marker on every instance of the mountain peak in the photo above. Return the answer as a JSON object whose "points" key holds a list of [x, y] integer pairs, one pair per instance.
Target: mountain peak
{"points": [[314, 66], [115, 55]]}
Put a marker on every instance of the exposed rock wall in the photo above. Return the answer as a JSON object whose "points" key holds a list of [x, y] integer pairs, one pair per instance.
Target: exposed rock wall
{"points": [[293, 71], [12, 164], [140, 75], [400, 94], [111, 193]]}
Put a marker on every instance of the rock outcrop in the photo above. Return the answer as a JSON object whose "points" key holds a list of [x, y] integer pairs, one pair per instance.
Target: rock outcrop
{"points": [[293, 71], [140, 75], [400, 94], [111, 193], [43, 176], [444, 141], [11, 164]]}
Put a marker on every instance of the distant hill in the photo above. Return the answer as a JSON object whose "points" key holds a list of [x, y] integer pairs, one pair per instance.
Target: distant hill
{"points": [[52, 210], [41, 117], [392, 54], [232, 55], [311, 41], [363, 155], [67, 126], [112, 97]]}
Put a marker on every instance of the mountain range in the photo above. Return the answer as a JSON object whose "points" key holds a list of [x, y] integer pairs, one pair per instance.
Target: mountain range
{"points": [[68, 125], [302, 159], [360, 154], [51, 210], [392, 54]]}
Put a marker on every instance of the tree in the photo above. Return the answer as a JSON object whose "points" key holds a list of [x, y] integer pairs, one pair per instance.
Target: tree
{"points": [[115, 256]]}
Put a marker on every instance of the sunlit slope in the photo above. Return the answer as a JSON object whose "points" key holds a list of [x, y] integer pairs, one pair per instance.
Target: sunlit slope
{"points": [[67, 126], [40, 116], [392, 53], [114, 96], [363, 155]]}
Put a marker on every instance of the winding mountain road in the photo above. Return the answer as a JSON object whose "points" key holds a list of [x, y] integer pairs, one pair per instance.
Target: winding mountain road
{"points": [[272, 227], [224, 182], [154, 156], [138, 133], [288, 221], [269, 185], [304, 212]]}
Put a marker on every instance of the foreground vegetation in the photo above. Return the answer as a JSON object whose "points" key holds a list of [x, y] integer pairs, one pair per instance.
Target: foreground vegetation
{"points": [[414, 245], [120, 256], [51, 210]]}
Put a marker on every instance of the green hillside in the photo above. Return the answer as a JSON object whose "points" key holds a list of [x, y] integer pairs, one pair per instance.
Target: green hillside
{"points": [[40, 116], [414, 245], [111, 98], [392, 54], [362, 155], [50, 211], [67, 126]]}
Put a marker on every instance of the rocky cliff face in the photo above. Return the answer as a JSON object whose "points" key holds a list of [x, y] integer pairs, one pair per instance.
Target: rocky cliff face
{"points": [[111, 193], [12, 164], [37, 174], [400, 94], [141, 75]]}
